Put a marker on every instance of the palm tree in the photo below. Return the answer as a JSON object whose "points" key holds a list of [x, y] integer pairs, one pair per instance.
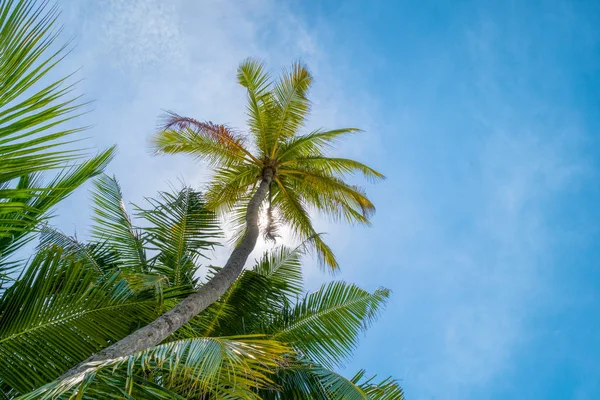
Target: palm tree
{"points": [[34, 137], [262, 339], [290, 170]]}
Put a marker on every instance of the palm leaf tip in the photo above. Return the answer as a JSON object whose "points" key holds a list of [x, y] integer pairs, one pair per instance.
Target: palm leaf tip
{"points": [[326, 324], [218, 144], [251, 74], [220, 133]]}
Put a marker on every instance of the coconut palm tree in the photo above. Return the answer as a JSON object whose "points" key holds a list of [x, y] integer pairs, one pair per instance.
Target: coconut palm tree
{"points": [[263, 339], [273, 164], [35, 138]]}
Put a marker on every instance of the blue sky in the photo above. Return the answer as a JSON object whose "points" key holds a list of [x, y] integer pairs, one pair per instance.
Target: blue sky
{"points": [[483, 115]]}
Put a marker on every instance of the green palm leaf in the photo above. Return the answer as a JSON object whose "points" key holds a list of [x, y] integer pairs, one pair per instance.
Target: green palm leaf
{"points": [[340, 166], [36, 200], [303, 380], [32, 116], [252, 75], [113, 224], [98, 255], [257, 296], [316, 142], [58, 313], [282, 267], [325, 325], [180, 229], [292, 104], [214, 367], [387, 389]]}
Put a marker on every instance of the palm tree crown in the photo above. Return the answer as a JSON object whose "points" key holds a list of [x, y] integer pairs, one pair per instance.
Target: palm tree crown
{"points": [[300, 173]]}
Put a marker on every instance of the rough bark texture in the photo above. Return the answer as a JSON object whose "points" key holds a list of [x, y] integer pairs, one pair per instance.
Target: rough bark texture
{"points": [[161, 328]]}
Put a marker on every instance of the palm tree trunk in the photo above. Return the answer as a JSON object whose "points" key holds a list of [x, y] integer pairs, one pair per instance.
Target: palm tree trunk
{"points": [[165, 325]]}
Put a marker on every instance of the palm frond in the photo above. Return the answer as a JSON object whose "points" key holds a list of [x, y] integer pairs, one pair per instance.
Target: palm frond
{"points": [[29, 113], [293, 106], [330, 194], [304, 380], [230, 185], [295, 213], [216, 144], [386, 389], [325, 325], [37, 200], [341, 167], [181, 229], [282, 267], [113, 224], [337, 386], [251, 74], [96, 255], [58, 313], [257, 295], [219, 367], [116, 384], [296, 380], [32, 115], [316, 142]]}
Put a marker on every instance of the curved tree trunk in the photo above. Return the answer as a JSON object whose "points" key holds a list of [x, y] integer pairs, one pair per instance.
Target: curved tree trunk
{"points": [[165, 325]]}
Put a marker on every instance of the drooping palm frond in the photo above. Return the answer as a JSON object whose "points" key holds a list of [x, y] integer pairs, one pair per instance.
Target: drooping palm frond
{"points": [[32, 115], [181, 228], [58, 313], [325, 325], [216, 144], [232, 185], [194, 368], [292, 209], [114, 225]]}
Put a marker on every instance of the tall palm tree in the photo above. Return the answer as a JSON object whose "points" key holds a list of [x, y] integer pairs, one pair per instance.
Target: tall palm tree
{"points": [[262, 339], [290, 170], [34, 135]]}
